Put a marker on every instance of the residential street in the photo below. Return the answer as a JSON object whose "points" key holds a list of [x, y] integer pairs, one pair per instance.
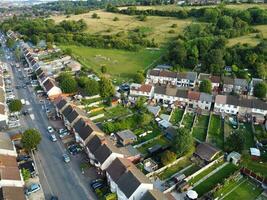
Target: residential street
{"points": [[58, 178]]}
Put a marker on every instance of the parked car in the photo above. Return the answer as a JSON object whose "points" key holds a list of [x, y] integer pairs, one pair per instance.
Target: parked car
{"points": [[74, 149], [63, 132], [50, 129], [53, 138], [23, 158], [32, 188], [97, 181], [97, 185], [66, 158]]}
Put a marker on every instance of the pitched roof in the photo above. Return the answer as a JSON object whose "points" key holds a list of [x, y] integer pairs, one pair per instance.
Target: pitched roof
{"points": [[126, 134], [241, 82], [215, 79], [154, 72], [5, 142], [182, 93], [118, 167], [72, 116], [2, 109], [142, 88], [220, 99], [193, 95], [154, 195], [61, 104], [232, 100], [105, 150], [205, 97], [192, 76], [48, 84], [206, 151], [67, 111], [166, 73], [160, 89], [228, 80], [259, 104], [171, 91], [83, 129], [203, 76], [9, 168], [94, 143], [131, 180], [12, 193]]}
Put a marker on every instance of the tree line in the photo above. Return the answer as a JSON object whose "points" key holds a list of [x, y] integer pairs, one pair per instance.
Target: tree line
{"points": [[72, 32]]}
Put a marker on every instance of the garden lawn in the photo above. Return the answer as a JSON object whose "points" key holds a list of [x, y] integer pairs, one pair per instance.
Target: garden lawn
{"points": [[161, 141], [200, 128], [216, 178], [246, 130], [236, 190], [121, 65], [259, 167], [260, 133], [215, 133], [177, 116], [188, 120], [167, 173], [205, 173]]}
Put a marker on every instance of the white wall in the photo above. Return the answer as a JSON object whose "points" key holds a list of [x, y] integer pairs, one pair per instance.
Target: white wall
{"points": [[110, 159]]}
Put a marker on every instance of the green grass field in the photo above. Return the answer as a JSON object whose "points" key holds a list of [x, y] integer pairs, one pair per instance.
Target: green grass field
{"points": [[161, 141], [200, 128], [177, 116], [215, 134], [188, 120], [259, 167], [121, 65], [213, 180], [241, 189]]}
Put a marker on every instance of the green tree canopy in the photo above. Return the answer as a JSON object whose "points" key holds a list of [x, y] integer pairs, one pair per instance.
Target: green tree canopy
{"points": [[91, 87], [106, 88], [235, 142], [168, 157], [26, 174], [67, 83], [205, 86], [144, 119], [183, 141], [260, 90], [104, 69], [31, 138], [139, 77], [15, 105]]}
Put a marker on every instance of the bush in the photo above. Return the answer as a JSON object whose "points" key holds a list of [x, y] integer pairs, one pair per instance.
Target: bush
{"points": [[15, 105], [95, 16], [168, 157], [115, 19], [26, 174]]}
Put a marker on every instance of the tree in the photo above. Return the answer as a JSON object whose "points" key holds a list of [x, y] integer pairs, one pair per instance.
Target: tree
{"points": [[115, 19], [139, 77], [35, 39], [104, 69], [183, 141], [68, 51], [214, 60], [168, 157], [94, 16], [91, 87], [106, 88], [235, 142], [260, 90], [10, 43], [225, 22], [15, 105], [26, 174], [31, 138], [139, 103], [144, 119], [67, 83], [205, 86]]}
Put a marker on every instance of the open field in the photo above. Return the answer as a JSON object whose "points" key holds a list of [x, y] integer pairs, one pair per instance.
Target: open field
{"points": [[156, 27], [120, 64], [176, 7], [216, 178], [241, 189]]}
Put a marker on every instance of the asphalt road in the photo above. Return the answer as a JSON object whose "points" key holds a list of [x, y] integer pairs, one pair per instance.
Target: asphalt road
{"points": [[63, 180]]}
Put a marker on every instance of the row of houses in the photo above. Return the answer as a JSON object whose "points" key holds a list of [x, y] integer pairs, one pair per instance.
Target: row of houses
{"points": [[46, 81], [3, 106], [228, 104], [192, 79], [105, 155], [11, 181]]}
